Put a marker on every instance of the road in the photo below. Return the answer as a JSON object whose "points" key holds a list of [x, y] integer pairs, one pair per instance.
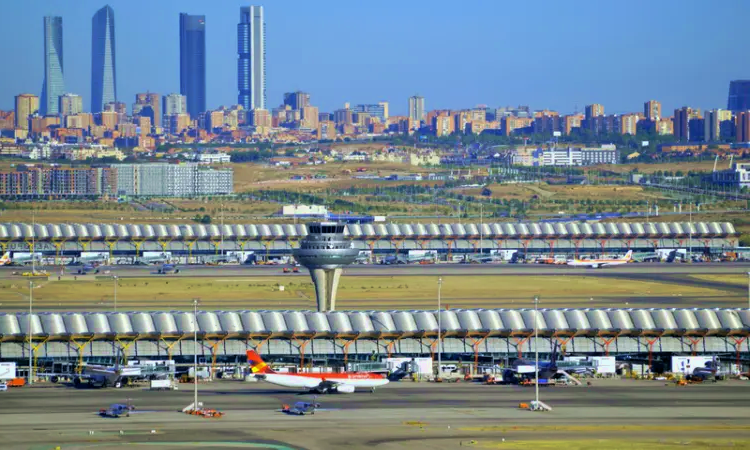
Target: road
{"points": [[400, 415]]}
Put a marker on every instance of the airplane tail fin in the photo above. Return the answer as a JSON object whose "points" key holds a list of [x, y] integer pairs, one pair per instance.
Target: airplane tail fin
{"points": [[628, 255], [257, 365], [5, 259]]}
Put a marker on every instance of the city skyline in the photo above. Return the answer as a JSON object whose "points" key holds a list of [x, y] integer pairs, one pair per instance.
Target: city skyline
{"points": [[53, 86], [585, 73]]}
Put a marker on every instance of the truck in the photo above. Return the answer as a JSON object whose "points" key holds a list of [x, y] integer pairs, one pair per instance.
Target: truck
{"points": [[161, 385]]}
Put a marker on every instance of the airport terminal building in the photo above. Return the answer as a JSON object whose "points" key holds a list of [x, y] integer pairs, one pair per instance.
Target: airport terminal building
{"points": [[225, 336], [192, 243]]}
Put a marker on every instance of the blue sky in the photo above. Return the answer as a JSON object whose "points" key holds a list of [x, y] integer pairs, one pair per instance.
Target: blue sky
{"points": [[544, 53]]}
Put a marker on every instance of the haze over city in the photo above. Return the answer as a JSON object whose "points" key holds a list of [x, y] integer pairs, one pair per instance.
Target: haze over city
{"points": [[553, 55]]}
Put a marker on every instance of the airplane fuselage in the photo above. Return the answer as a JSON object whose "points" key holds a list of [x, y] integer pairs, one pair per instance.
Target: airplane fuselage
{"points": [[313, 381]]}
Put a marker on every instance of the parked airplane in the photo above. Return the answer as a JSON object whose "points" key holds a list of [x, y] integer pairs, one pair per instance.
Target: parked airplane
{"points": [[547, 369], [321, 383], [599, 263], [99, 376], [94, 260], [153, 260], [709, 372], [23, 259], [88, 268]]}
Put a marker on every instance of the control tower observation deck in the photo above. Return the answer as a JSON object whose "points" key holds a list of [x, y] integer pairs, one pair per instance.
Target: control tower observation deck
{"points": [[324, 251]]}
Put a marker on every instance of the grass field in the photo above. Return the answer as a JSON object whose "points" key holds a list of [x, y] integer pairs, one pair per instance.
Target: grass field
{"points": [[685, 166], [635, 443], [565, 192], [402, 292]]}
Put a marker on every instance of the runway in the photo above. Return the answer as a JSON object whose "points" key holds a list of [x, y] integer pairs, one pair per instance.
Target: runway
{"points": [[412, 270], [400, 415]]}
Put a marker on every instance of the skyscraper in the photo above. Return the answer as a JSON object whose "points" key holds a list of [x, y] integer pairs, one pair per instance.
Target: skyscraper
{"points": [[174, 104], [103, 73], [739, 95], [297, 100], [251, 62], [26, 105], [193, 62], [54, 84], [652, 110], [148, 105], [416, 108]]}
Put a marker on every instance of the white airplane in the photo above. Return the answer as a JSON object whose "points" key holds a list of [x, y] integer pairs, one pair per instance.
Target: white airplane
{"points": [[599, 263], [321, 383], [23, 259]]}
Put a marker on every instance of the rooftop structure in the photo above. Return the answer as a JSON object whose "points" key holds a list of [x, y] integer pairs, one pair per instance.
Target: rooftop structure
{"points": [[324, 251]]}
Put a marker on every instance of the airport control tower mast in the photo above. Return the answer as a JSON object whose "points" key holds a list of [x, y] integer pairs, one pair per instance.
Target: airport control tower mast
{"points": [[324, 251]]}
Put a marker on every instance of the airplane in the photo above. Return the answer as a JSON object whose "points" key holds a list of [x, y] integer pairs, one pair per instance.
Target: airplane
{"points": [[88, 268], [153, 260], [709, 372], [22, 260], [599, 263], [168, 268], [320, 383], [300, 408], [116, 410], [547, 369], [94, 260], [99, 376]]}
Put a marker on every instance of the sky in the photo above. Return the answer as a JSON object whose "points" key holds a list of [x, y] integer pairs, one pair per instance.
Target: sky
{"points": [[551, 54]]}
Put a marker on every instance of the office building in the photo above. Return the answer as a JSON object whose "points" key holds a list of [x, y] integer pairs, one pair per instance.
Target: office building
{"points": [[193, 62], [70, 104], [148, 105], [297, 100], [26, 105], [739, 96], [103, 68], [416, 108], [652, 110], [171, 180], [260, 118], [251, 61], [712, 126], [54, 83], [738, 176], [373, 110], [174, 104], [309, 117]]}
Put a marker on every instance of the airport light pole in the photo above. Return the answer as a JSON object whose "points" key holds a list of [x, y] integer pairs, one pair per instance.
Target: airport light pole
{"points": [[115, 278], [440, 327], [536, 350], [195, 354], [31, 335], [748, 289]]}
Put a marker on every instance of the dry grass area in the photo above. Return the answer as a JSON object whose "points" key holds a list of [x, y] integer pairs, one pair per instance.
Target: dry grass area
{"points": [[615, 444], [685, 166], [564, 192], [398, 292]]}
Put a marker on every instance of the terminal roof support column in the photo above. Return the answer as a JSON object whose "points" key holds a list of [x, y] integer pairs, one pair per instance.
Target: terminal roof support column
{"points": [[80, 347], [390, 346], [738, 348], [397, 243], [4, 245], [551, 244], [124, 346], [190, 242], [170, 345], [258, 345], [111, 242], [216, 242], [650, 341], [33, 348], [577, 245], [628, 242], [475, 343], [371, 245], [164, 242], [449, 243], [267, 244], [421, 243], [301, 343], [520, 340], [607, 341], [694, 343], [563, 340], [214, 349], [602, 244], [346, 343], [137, 243], [58, 243], [30, 244]]}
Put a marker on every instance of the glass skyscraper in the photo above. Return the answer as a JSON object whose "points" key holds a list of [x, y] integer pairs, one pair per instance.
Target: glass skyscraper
{"points": [[54, 84], [193, 62], [103, 73], [739, 95], [251, 62]]}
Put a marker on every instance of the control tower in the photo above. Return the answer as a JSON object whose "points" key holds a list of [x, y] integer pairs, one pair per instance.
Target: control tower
{"points": [[324, 251]]}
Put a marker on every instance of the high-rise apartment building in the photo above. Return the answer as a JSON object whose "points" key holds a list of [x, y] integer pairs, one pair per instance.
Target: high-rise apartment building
{"points": [[384, 105], [309, 117], [148, 105], [260, 118], [742, 124], [174, 104], [682, 123], [297, 100], [193, 62], [652, 110], [416, 108], [739, 96], [70, 104], [171, 180], [54, 83], [26, 105], [103, 69], [251, 61]]}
